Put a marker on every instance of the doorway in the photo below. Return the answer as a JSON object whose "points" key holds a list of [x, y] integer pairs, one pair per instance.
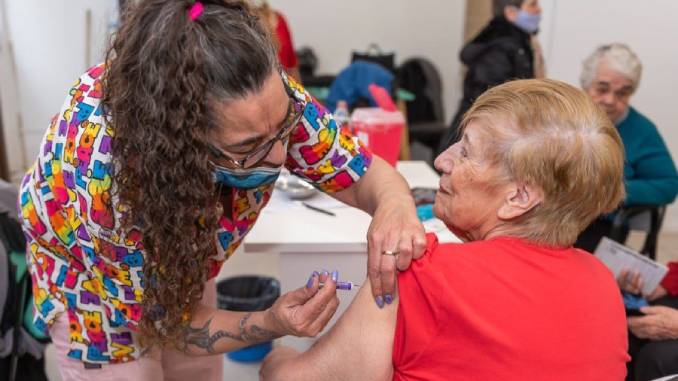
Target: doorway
{"points": [[478, 14]]}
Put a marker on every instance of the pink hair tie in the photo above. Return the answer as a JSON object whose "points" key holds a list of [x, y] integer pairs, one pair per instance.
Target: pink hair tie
{"points": [[195, 11]]}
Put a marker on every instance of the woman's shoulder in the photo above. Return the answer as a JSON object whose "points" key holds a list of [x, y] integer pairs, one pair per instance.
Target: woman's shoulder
{"points": [[83, 101], [89, 83], [484, 246], [472, 253], [638, 125], [506, 249], [518, 255], [637, 118]]}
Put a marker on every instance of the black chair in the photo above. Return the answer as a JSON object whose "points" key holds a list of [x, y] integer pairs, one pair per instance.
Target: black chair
{"points": [[644, 218], [425, 116], [308, 63], [21, 353]]}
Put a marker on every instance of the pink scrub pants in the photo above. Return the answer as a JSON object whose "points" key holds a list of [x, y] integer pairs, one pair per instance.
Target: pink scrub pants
{"points": [[161, 364]]}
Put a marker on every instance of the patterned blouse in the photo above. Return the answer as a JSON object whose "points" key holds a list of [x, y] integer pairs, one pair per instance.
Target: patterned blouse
{"points": [[82, 262]]}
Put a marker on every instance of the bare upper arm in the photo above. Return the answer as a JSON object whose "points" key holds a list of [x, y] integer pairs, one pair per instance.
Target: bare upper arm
{"points": [[363, 194], [358, 347]]}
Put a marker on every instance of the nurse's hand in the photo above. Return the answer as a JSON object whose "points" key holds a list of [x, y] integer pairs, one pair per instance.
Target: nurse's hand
{"points": [[395, 237], [306, 310]]}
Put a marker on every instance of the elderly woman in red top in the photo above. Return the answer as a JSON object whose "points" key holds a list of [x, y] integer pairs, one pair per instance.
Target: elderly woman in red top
{"points": [[536, 163]]}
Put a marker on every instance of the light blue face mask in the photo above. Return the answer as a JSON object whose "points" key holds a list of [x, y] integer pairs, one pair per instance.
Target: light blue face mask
{"points": [[249, 178], [529, 22]]}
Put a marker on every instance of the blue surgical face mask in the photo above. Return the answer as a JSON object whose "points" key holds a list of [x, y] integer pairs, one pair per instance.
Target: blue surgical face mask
{"points": [[249, 178], [529, 22]]}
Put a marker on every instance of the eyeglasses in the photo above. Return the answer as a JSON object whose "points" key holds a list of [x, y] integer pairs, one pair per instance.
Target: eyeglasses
{"points": [[259, 154]]}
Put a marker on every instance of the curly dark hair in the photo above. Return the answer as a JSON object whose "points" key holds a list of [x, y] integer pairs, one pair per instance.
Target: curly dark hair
{"points": [[164, 75]]}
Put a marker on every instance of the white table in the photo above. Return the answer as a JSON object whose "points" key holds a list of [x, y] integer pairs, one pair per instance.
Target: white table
{"points": [[307, 240]]}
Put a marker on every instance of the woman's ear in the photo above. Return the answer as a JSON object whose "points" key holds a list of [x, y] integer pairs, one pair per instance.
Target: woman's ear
{"points": [[511, 13], [519, 200]]}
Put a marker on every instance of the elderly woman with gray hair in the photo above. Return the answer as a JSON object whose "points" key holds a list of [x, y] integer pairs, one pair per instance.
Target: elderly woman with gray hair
{"points": [[537, 162], [611, 75]]}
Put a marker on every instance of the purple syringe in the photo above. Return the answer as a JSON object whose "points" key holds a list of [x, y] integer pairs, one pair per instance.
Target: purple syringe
{"points": [[347, 286]]}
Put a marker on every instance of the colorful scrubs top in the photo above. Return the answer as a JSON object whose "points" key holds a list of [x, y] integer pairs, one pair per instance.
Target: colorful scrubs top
{"points": [[82, 262]]}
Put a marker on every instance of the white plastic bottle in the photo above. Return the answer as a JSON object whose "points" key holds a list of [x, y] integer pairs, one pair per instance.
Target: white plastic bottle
{"points": [[341, 115]]}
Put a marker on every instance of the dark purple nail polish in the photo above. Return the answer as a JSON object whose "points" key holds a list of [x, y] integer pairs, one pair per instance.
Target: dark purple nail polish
{"points": [[380, 302], [388, 298]]}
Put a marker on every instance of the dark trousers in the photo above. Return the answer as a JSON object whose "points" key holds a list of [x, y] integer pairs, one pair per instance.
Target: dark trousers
{"points": [[591, 236], [653, 359], [649, 359]]}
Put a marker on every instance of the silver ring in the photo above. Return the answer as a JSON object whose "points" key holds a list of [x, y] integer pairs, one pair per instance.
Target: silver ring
{"points": [[389, 252]]}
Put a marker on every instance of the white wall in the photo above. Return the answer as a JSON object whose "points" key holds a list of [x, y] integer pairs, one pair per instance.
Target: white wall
{"points": [[428, 28], [49, 47], [11, 119], [649, 27], [49, 42], [570, 30]]}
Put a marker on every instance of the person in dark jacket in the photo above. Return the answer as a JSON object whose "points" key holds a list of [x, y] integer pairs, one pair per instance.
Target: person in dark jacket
{"points": [[502, 51]]}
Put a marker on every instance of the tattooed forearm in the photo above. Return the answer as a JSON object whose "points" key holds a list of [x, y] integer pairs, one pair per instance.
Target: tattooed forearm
{"points": [[201, 338], [254, 333]]}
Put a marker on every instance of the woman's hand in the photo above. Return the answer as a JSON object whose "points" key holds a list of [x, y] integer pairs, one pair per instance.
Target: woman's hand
{"points": [[302, 312], [395, 228], [631, 282], [305, 311], [659, 323]]}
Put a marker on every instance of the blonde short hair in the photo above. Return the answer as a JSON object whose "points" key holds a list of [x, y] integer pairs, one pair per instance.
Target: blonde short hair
{"points": [[550, 135]]}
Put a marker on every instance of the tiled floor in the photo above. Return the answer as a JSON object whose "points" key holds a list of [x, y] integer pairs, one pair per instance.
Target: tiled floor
{"points": [[668, 245]]}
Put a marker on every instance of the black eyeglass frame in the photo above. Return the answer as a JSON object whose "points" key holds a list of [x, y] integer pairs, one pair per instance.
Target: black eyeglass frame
{"points": [[297, 107]]}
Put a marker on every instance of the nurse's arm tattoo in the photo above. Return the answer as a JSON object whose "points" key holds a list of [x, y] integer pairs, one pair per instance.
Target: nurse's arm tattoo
{"points": [[203, 339], [253, 333]]}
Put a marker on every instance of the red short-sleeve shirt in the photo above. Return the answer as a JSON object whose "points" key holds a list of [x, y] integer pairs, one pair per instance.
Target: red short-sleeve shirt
{"points": [[506, 309], [670, 281], [286, 54]]}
